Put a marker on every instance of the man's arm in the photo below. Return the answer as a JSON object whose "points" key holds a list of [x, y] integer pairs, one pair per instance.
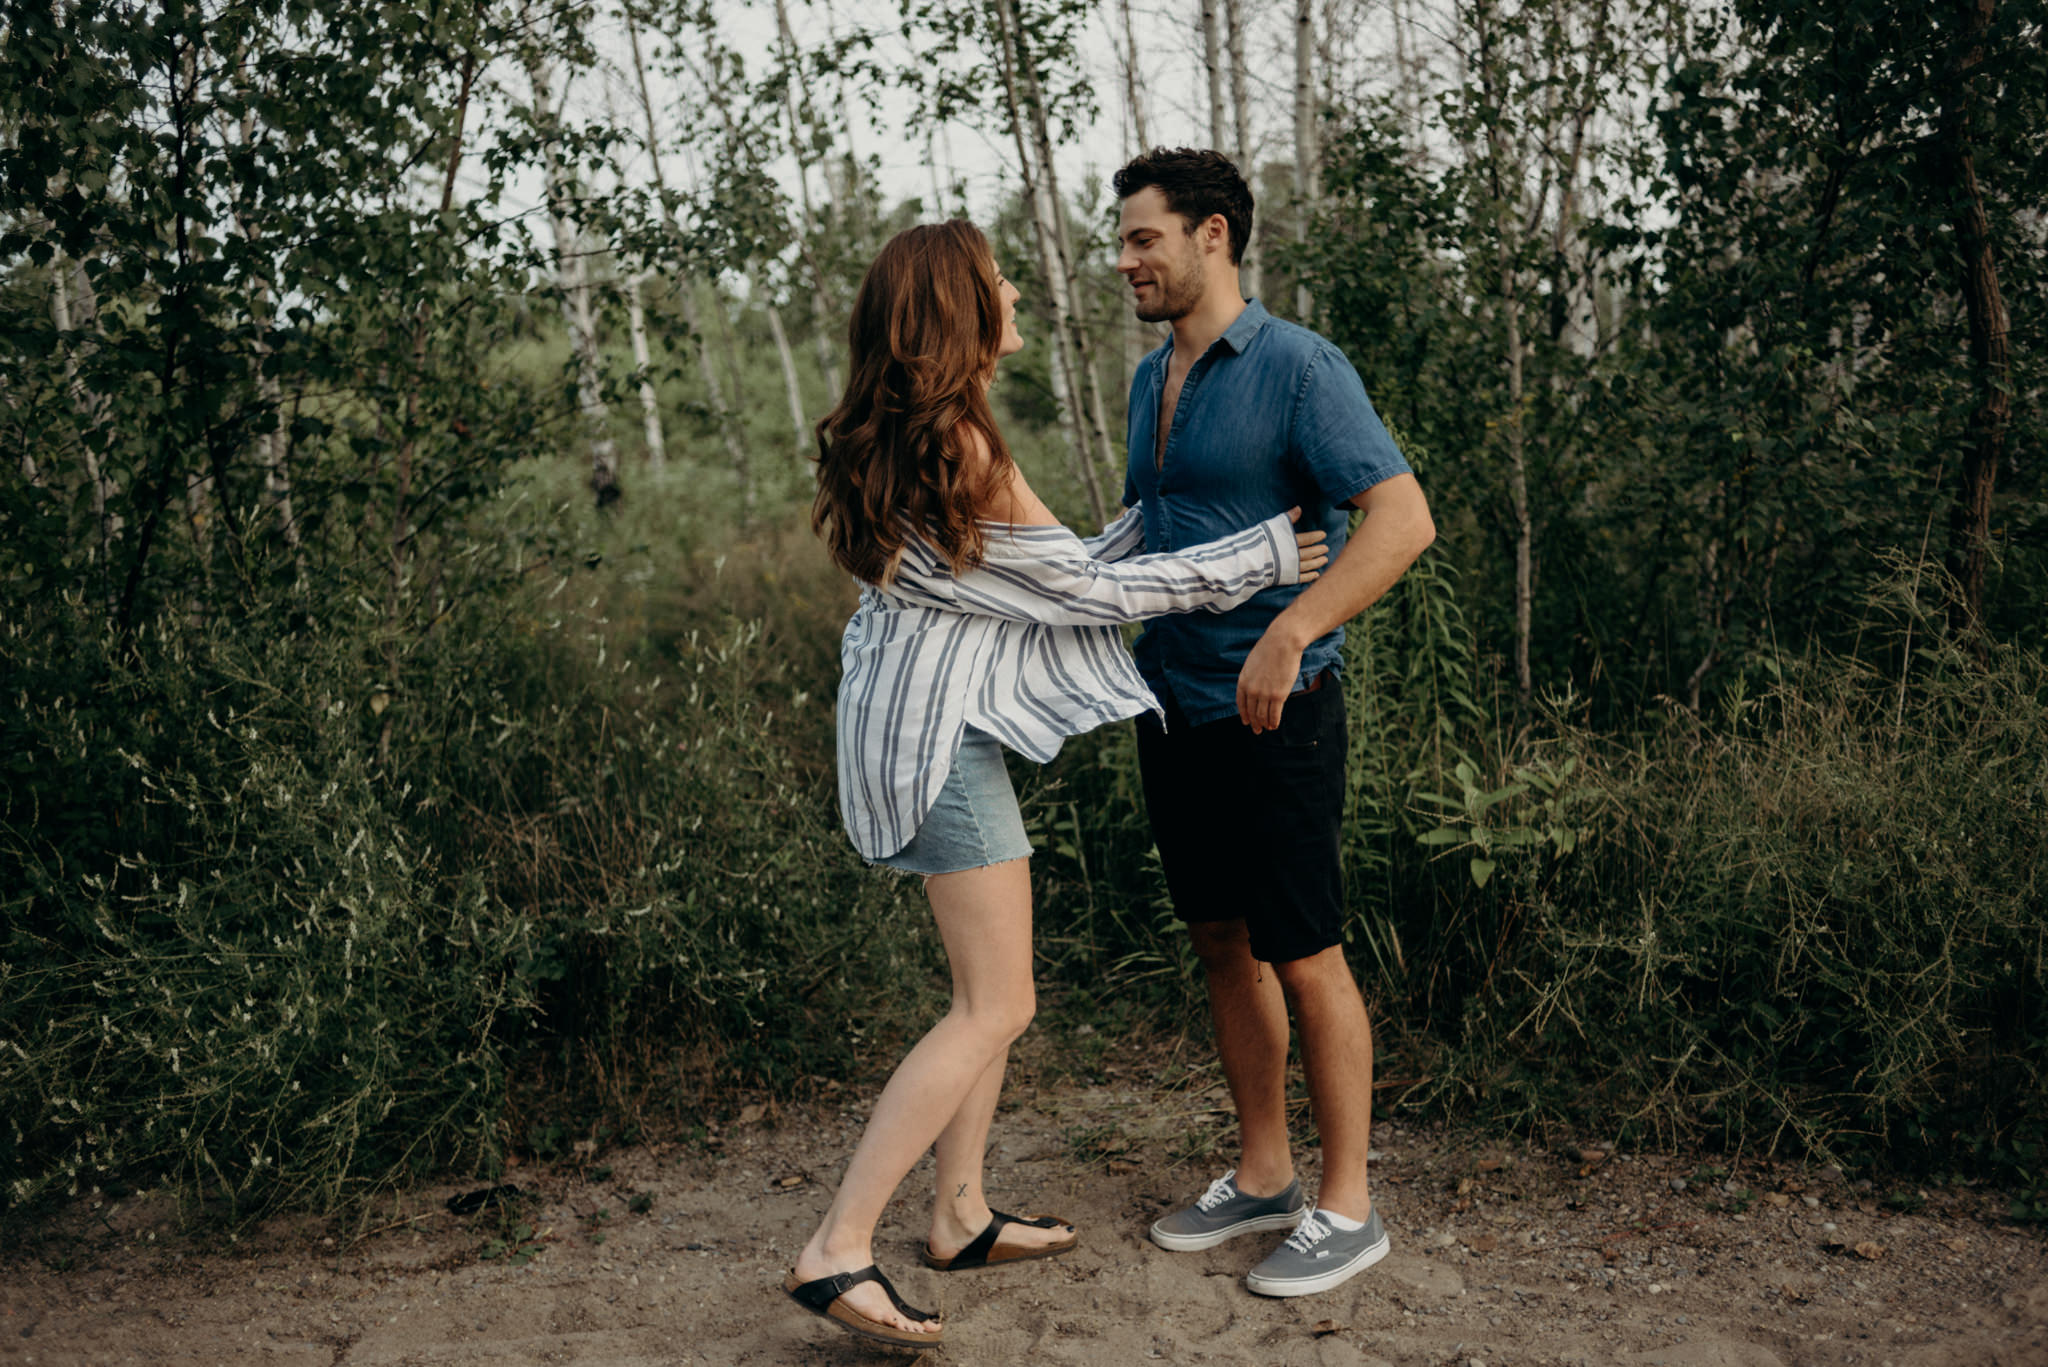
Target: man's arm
{"points": [[1397, 528]]}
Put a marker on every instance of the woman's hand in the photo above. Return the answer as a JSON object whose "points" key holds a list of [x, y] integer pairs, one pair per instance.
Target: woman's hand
{"points": [[1314, 553]]}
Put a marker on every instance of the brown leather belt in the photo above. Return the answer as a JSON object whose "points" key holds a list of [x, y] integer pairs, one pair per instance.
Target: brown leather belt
{"points": [[1312, 685]]}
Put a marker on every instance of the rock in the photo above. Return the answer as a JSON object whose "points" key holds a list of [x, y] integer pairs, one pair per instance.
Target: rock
{"points": [[1678, 1184], [1810, 1202]]}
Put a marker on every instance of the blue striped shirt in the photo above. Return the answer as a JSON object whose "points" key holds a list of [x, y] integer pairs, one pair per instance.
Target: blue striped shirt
{"points": [[1024, 646]]}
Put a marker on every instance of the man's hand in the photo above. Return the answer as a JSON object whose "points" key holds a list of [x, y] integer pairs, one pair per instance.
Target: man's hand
{"points": [[1397, 528], [1269, 675]]}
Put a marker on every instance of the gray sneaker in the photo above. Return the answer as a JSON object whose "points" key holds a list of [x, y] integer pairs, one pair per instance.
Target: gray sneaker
{"points": [[1318, 1256], [1223, 1212]]}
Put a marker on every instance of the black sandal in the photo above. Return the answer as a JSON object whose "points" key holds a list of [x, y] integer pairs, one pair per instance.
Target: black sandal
{"points": [[976, 1254], [822, 1297]]}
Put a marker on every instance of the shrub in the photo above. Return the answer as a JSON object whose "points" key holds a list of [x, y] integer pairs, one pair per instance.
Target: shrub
{"points": [[280, 932], [1814, 917], [262, 986]]}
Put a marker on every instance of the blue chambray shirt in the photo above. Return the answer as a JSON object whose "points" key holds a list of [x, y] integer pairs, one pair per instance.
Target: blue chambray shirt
{"points": [[1271, 415]]}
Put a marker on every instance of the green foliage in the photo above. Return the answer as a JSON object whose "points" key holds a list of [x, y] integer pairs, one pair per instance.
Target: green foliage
{"points": [[1745, 360], [277, 934], [232, 962], [370, 805], [1811, 920]]}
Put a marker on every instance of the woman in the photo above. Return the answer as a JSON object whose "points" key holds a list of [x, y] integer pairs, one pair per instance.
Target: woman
{"points": [[982, 623]]}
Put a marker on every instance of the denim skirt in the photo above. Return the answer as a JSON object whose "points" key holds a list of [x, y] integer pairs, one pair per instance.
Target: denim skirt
{"points": [[975, 820]]}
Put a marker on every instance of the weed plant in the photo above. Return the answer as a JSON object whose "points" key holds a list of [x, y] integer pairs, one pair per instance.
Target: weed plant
{"points": [[1811, 919], [280, 931]]}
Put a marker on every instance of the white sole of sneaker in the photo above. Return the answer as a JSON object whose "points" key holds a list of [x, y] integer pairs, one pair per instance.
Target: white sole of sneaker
{"points": [[1195, 1243], [1322, 1281]]}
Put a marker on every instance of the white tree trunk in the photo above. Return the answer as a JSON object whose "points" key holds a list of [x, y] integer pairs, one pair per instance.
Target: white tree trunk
{"points": [[1305, 156], [1045, 226], [1132, 94], [643, 361], [789, 384], [277, 482], [572, 277], [1518, 477], [1212, 67], [91, 407], [1095, 453], [822, 295], [1240, 105], [714, 395]]}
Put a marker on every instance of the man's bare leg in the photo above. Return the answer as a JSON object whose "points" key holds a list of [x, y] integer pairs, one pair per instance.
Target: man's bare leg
{"points": [[1250, 1016], [1336, 1054]]}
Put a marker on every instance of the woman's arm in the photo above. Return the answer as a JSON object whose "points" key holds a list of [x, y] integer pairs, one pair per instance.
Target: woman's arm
{"points": [[1044, 574], [1120, 540]]}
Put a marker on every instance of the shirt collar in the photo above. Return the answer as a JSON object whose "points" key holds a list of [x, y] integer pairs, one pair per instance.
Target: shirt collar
{"points": [[1239, 334]]}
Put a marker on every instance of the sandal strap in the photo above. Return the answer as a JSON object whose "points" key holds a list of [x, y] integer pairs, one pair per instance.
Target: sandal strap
{"points": [[1041, 1222], [903, 1307], [976, 1253], [978, 1248], [818, 1295]]}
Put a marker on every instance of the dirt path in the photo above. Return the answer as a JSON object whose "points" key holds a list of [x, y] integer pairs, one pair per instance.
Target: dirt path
{"points": [[1502, 1256]]}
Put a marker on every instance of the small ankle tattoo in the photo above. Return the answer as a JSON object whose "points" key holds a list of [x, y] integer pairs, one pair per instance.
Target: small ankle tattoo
{"points": [[961, 1194]]}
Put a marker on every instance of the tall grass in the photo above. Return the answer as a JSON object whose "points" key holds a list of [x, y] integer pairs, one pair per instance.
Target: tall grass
{"points": [[1812, 919], [276, 934], [265, 947]]}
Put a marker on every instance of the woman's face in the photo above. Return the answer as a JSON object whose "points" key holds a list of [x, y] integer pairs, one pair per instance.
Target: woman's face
{"points": [[1006, 297]]}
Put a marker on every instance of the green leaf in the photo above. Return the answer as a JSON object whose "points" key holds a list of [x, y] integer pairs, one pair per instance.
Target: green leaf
{"points": [[1482, 869]]}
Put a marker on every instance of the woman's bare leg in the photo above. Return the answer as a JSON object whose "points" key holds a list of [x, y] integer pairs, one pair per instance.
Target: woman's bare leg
{"points": [[959, 1208], [984, 919]]}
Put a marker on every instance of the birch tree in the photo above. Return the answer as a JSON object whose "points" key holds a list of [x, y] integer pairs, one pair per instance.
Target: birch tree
{"points": [[1074, 359], [1241, 122], [1990, 326], [1305, 159], [1213, 75], [572, 276], [721, 413], [1134, 101]]}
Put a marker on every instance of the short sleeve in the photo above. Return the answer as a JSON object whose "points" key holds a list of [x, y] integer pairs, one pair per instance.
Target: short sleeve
{"points": [[1337, 436]]}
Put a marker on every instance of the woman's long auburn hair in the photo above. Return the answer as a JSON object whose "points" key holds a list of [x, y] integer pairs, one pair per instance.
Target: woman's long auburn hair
{"points": [[894, 456]]}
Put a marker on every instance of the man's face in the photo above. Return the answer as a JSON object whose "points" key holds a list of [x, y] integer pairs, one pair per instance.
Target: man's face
{"points": [[1161, 259]]}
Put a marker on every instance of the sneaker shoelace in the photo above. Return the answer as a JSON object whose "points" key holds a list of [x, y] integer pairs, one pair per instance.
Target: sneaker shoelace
{"points": [[1308, 1233], [1219, 1191]]}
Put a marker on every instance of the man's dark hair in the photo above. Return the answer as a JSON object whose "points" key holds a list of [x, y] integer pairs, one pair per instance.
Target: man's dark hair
{"points": [[1196, 184]]}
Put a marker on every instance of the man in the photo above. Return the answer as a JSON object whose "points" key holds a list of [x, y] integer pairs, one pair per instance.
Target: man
{"points": [[1236, 415]]}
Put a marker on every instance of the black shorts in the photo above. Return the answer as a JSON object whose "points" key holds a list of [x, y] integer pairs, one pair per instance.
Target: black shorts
{"points": [[1249, 826]]}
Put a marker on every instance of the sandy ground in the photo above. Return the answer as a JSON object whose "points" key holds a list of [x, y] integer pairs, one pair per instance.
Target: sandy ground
{"points": [[1503, 1254]]}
